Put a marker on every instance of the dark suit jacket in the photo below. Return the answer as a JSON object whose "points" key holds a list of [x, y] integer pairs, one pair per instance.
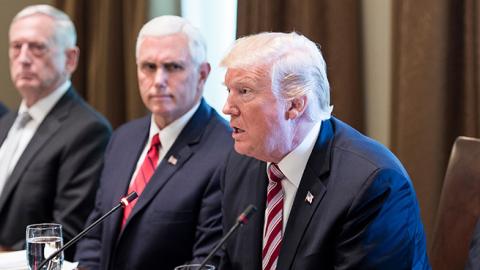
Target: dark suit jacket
{"points": [[56, 177], [364, 214], [177, 218], [473, 261], [3, 109]]}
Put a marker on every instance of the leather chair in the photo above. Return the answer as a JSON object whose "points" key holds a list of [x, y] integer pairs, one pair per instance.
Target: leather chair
{"points": [[459, 207]]}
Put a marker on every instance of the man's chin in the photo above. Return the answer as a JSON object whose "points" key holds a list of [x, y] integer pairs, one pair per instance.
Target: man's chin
{"points": [[242, 149], [26, 85]]}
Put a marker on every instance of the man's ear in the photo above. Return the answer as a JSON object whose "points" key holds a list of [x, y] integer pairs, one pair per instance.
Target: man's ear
{"points": [[296, 107], [72, 59], [204, 70]]}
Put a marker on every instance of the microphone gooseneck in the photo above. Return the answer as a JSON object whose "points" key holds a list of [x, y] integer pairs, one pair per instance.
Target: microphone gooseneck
{"points": [[242, 219], [123, 202]]}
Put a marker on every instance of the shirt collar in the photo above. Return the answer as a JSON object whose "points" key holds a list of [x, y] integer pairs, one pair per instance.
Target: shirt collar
{"points": [[42, 107], [294, 163], [169, 134]]}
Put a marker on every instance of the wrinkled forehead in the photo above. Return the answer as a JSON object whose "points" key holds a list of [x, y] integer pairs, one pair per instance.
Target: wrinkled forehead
{"points": [[257, 77], [173, 47], [35, 27]]}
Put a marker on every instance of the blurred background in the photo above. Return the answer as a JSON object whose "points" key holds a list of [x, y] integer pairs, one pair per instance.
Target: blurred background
{"points": [[405, 72]]}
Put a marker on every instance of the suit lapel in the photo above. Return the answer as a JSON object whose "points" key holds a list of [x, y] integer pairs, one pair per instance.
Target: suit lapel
{"points": [[162, 174], [303, 209], [125, 163], [252, 238], [45, 131], [5, 124], [181, 150]]}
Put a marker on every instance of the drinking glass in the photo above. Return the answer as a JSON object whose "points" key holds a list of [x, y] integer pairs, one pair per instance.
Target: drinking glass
{"points": [[42, 241], [194, 267]]}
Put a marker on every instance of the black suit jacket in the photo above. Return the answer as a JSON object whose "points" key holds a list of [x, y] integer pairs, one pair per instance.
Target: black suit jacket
{"points": [[3, 109], [177, 218], [364, 213], [56, 177]]}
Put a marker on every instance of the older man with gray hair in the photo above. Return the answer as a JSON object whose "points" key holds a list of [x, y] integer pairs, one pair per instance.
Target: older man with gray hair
{"points": [[169, 157], [328, 196], [51, 149]]}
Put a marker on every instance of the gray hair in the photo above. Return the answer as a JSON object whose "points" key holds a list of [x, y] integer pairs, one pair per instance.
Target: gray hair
{"points": [[65, 33], [168, 25], [293, 62]]}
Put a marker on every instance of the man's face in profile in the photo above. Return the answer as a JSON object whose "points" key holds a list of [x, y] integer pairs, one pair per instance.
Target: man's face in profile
{"points": [[257, 115]]}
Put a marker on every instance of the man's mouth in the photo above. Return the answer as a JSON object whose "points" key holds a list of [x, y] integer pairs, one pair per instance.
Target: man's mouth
{"points": [[25, 76]]}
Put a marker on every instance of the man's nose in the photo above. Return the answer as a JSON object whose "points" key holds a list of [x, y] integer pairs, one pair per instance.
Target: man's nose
{"points": [[229, 108], [161, 79], [24, 55]]}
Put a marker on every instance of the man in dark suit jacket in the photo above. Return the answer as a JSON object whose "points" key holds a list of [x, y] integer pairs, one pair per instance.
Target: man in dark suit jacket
{"points": [[3, 109], [344, 202], [177, 217], [52, 174]]}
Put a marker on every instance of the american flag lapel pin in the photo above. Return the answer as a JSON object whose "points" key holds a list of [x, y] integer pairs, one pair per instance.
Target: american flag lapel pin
{"points": [[309, 197], [172, 160]]}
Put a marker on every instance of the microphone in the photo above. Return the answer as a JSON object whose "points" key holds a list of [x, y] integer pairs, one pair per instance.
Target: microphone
{"points": [[123, 203], [241, 220]]}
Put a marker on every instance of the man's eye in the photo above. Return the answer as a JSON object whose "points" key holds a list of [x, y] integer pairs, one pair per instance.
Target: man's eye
{"points": [[244, 91], [149, 67], [37, 48], [16, 46], [173, 67]]}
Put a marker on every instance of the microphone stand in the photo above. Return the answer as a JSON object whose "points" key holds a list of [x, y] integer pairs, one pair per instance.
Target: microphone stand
{"points": [[123, 202], [241, 220]]}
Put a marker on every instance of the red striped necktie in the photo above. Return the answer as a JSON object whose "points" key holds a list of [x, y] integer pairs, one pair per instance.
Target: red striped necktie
{"points": [[143, 175], [272, 239]]}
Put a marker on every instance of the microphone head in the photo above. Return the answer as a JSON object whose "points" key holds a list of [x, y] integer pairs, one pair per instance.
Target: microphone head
{"points": [[246, 214], [129, 198]]}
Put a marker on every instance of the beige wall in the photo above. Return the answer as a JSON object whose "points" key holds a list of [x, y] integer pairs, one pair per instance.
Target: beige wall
{"points": [[377, 17], [8, 9], [164, 7]]}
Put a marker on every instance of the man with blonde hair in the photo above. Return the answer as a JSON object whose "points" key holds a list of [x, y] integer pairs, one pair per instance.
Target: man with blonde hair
{"points": [[328, 197]]}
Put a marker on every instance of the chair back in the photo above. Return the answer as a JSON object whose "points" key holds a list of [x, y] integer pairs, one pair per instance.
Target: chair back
{"points": [[459, 207]]}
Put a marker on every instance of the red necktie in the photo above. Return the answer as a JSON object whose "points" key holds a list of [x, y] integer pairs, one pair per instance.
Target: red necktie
{"points": [[143, 175], [272, 240]]}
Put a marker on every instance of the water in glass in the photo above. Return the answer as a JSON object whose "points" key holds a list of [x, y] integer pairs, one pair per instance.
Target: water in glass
{"points": [[42, 241]]}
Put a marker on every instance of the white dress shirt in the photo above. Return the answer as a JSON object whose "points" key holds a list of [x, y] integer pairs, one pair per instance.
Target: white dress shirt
{"points": [[38, 112], [292, 166], [167, 135]]}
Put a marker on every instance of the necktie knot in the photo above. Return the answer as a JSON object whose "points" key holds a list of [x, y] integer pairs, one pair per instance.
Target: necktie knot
{"points": [[155, 141], [274, 173], [23, 119], [153, 151]]}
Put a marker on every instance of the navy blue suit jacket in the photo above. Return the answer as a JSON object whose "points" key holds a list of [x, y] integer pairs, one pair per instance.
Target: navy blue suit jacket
{"points": [[364, 213], [177, 218]]}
